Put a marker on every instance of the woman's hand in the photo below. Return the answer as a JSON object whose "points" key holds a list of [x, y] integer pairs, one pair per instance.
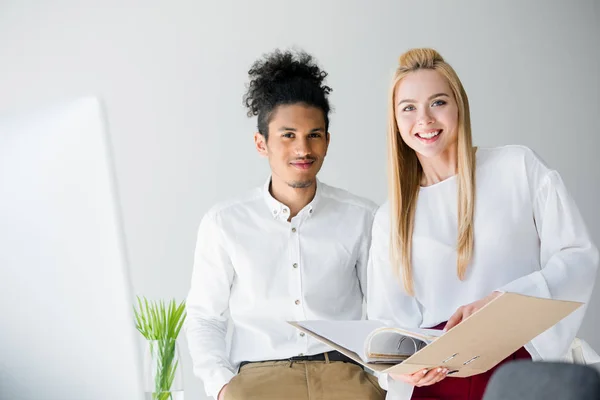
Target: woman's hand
{"points": [[465, 311], [423, 377]]}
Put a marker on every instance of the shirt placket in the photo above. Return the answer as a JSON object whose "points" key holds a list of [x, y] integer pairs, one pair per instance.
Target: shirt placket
{"points": [[295, 283]]}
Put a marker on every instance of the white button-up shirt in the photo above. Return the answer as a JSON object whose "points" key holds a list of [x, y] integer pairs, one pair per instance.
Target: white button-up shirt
{"points": [[252, 263]]}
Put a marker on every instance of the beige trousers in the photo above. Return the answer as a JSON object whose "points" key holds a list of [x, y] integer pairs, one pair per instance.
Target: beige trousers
{"points": [[303, 380]]}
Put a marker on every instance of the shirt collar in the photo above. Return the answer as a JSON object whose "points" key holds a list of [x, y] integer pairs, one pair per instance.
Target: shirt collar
{"points": [[278, 209]]}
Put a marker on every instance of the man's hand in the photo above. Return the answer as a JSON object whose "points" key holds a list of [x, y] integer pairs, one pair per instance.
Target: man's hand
{"points": [[423, 377], [465, 311], [221, 395]]}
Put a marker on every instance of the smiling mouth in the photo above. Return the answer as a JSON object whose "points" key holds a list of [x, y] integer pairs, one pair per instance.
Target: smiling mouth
{"points": [[429, 136], [303, 164]]}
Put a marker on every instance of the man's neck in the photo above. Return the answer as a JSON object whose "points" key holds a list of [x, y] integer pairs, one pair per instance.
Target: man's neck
{"points": [[294, 198]]}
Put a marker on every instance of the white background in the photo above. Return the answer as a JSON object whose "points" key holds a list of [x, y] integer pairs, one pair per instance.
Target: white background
{"points": [[172, 74]]}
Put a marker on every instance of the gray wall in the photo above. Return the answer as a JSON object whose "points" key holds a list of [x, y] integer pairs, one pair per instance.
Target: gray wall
{"points": [[173, 73]]}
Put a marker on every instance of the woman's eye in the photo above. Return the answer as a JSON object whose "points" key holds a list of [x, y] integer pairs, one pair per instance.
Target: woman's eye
{"points": [[408, 108], [438, 103]]}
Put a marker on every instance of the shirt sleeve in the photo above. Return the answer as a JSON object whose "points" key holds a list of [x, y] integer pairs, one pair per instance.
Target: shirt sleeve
{"points": [[207, 302], [362, 261], [568, 260]]}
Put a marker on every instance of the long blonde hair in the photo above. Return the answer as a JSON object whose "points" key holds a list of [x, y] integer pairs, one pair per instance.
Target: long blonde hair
{"points": [[405, 172]]}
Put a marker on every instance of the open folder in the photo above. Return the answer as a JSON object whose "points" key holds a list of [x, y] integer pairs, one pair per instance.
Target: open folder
{"points": [[472, 347]]}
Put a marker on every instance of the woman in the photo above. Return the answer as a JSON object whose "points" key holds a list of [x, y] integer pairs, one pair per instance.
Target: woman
{"points": [[464, 224]]}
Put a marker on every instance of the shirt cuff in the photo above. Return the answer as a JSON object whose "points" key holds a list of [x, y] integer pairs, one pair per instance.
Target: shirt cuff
{"points": [[219, 378], [533, 284], [382, 378], [396, 390]]}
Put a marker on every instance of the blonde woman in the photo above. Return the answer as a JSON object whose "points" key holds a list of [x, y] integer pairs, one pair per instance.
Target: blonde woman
{"points": [[464, 224]]}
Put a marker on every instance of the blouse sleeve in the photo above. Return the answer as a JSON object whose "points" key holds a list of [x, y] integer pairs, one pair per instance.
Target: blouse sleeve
{"points": [[386, 298], [568, 261]]}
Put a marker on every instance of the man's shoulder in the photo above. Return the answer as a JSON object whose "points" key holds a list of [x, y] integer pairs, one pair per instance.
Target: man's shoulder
{"points": [[235, 204], [343, 196]]}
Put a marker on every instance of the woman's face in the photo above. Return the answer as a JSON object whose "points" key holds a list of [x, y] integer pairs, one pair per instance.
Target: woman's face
{"points": [[427, 113]]}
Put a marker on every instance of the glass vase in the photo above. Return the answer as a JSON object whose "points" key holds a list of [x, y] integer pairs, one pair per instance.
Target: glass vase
{"points": [[162, 370]]}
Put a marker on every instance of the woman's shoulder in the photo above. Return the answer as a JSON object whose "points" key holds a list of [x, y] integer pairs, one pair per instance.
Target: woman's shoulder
{"points": [[508, 153], [515, 163], [512, 157]]}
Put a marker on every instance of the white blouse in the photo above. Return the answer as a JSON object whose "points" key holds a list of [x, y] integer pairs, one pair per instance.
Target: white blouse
{"points": [[529, 238]]}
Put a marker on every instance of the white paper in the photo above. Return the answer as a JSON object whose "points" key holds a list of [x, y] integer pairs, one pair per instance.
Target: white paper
{"points": [[348, 334]]}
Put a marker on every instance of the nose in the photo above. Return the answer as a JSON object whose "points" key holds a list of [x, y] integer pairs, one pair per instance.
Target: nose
{"points": [[424, 117], [302, 147]]}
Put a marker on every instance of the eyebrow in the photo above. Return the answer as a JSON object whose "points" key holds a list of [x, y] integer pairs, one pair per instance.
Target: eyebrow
{"points": [[430, 97], [286, 129]]}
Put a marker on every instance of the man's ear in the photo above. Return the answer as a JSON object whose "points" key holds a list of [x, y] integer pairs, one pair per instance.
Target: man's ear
{"points": [[327, 138], [261, 144]]}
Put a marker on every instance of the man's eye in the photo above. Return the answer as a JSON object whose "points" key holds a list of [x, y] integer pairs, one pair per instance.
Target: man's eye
{"points": [[288, 135], [315, 135]]}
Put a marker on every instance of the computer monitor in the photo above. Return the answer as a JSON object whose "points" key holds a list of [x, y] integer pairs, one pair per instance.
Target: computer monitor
{"points": [[66, 321]]}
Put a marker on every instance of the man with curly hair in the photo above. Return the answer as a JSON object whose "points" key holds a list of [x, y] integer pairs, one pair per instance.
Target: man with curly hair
{"points": [[293, 249]]}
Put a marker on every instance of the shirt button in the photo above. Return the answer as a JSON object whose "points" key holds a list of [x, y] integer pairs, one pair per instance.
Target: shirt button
{"points": [[274, 212], [302, 334], [297, 302], [310, 211], [295, 265], [285, 210], [294, 230]]}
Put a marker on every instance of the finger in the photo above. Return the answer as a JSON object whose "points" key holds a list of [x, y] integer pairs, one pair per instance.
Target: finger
{"points": [[468, 313], [221, 394], [408, 378], [441, 376], [429, 380], [417, 376], [454, 319], [405, 378], [425, 381], [413, 379], [433, 376]]}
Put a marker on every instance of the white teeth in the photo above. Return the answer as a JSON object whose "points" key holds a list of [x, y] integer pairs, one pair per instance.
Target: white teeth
{"points": [[429, 135]]}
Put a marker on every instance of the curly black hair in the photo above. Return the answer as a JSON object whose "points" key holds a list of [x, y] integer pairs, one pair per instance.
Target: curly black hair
{"points": [[285, 78]]}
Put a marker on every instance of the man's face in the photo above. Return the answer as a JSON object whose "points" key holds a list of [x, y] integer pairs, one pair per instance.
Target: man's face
{"points": [[297, 144]]}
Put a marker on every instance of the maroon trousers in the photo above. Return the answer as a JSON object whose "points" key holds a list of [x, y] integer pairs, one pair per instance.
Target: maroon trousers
{"points": [[471, 388]]}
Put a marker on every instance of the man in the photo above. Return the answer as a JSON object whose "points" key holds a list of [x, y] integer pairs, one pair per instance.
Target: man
{"points": [[294, 249]]}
